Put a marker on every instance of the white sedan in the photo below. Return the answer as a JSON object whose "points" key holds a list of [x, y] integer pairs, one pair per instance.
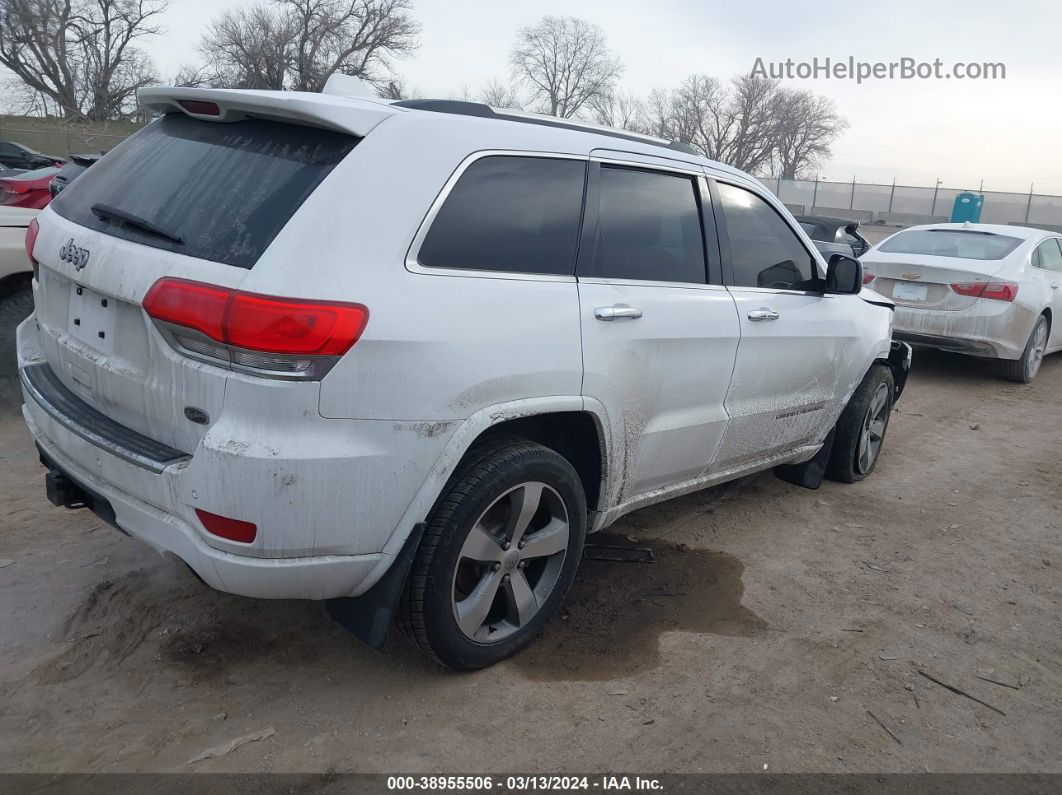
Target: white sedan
{"points": [[979, 289], [16, 299]]}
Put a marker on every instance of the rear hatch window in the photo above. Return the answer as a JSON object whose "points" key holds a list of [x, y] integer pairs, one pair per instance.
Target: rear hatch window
{"points": [[215, 191]]}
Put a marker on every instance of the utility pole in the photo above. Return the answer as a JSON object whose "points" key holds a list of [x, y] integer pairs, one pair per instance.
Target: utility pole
{"points": [[815, 194], [851, 201], [1028, 204], [892, 193], [936, 189]]}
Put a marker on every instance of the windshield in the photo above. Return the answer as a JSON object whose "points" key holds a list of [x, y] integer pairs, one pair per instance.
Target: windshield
{"points": [[958, 243]]}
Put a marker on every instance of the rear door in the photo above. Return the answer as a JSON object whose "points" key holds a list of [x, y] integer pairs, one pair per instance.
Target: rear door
{"points": [[794, 339], [1047, 260], [193, 199], [659, 330]]}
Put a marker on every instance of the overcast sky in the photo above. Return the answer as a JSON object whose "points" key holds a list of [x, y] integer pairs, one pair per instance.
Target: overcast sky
{"points": [[1005, 132]]}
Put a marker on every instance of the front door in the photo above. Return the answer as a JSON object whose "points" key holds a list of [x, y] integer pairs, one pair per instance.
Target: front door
{"points": [[658, 338], [794, 339]]}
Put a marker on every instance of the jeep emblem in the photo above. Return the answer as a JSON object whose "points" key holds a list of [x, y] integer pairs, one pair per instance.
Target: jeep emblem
{"points": [[75, 255]]}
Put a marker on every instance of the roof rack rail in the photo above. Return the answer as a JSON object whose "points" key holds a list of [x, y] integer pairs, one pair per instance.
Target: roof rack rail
{"points": [[464, 108]]}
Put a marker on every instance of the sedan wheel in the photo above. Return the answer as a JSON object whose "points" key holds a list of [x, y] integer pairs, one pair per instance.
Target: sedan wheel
{"points": [[1024, 369]]}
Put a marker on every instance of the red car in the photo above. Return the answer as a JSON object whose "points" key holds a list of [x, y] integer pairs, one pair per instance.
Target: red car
{"points": [[28, 189]]}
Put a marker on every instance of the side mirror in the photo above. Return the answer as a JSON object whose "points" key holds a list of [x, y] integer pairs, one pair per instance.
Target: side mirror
{"points": [[844, 276]]}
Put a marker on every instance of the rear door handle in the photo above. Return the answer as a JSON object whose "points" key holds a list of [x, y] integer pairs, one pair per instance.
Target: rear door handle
{"points": [[1054, 285], [617, 311], [759, 315]]}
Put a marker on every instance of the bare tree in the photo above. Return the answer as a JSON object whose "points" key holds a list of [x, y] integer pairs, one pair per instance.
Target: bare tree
{"points": [[396, 89], [752, 123], [622, 110], [247, 48], [808, 126], [500, 95], [79, 55], [299, 44], [566, 64]]}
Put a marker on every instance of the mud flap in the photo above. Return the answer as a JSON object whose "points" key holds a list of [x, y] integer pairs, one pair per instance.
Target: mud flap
{"points": [[809, 474], [368, 616]]}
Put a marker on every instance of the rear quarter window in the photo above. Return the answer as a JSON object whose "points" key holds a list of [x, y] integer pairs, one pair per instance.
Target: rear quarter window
{"points": [[509, 213], [224, 189]]}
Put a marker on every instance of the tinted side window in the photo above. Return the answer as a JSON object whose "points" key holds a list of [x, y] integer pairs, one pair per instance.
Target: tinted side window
{"points": [[649, 227], [1050, 256], [518, 214], [763, 249]]}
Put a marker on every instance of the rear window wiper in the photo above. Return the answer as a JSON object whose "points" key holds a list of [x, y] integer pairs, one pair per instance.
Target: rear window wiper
{"points": [[106, 211]]}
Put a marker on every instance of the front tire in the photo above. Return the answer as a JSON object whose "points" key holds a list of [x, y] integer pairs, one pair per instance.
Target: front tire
{"points": [[1024, 370], [861, 429], [499, 553]]}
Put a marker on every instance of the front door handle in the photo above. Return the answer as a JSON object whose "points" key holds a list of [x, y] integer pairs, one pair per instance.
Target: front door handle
{"points": [[1054, 285], [760, 315], [617, 311]]}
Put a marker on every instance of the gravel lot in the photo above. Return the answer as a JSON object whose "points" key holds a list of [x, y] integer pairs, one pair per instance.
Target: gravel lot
{"points": [[773, 621]]}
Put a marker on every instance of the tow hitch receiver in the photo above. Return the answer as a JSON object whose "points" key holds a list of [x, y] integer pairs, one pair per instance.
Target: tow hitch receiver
{"points": [[64, 493]]}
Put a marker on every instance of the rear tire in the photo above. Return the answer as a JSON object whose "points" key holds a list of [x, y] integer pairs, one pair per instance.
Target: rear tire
{"points": [[1024, 370], [14, 308], [499, 553], [860, 432]]}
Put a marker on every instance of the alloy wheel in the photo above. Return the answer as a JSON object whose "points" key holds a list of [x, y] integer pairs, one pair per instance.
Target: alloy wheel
{"points": [[510, 562], [873, 429], [1037, 349]]}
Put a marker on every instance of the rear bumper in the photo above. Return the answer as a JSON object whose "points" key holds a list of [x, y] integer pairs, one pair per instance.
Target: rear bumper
{"points": [[314, 577], [994, 329], [327, 496]]}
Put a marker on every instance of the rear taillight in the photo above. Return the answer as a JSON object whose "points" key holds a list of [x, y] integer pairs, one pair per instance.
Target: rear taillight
{"points": [[867, 277], [284, 336], [995, 291], [224, 527]]}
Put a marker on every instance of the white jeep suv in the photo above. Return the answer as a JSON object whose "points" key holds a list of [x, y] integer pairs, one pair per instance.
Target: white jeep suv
{"points": [[405, 356]]}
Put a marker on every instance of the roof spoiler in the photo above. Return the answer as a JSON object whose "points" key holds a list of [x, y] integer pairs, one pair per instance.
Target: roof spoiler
{"points": [[344, 114]]}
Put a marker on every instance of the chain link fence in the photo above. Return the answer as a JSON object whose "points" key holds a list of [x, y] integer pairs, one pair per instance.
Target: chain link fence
{"points": [[908, 204], [63, 140]]}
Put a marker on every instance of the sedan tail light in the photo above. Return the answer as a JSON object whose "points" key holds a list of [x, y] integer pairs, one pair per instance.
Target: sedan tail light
{"points": [[867, 277], [31, 240], [995, 291], [284, 337]]}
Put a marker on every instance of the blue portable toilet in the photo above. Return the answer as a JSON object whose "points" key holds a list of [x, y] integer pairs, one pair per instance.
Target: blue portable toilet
{"points": [[967, 207]]}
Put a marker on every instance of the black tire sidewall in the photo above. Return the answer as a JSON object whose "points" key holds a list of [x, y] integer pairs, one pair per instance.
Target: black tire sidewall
{"points": [[849, 427], [1041, 321], [447, 641]]}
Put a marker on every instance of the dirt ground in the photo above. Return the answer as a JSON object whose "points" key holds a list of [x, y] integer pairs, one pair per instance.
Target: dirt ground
{"points": [[776, 628]]}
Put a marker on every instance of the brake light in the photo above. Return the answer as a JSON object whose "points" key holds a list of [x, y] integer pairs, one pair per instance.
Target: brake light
{"points": [[224, 527], [262, 332], [867, 277], [31, 239], [199, 107], [995, 291]]}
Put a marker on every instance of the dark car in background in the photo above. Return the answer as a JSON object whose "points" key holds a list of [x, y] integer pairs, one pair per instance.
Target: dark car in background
{"points": [[73, 168], [834, 235], [15, 155]]}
